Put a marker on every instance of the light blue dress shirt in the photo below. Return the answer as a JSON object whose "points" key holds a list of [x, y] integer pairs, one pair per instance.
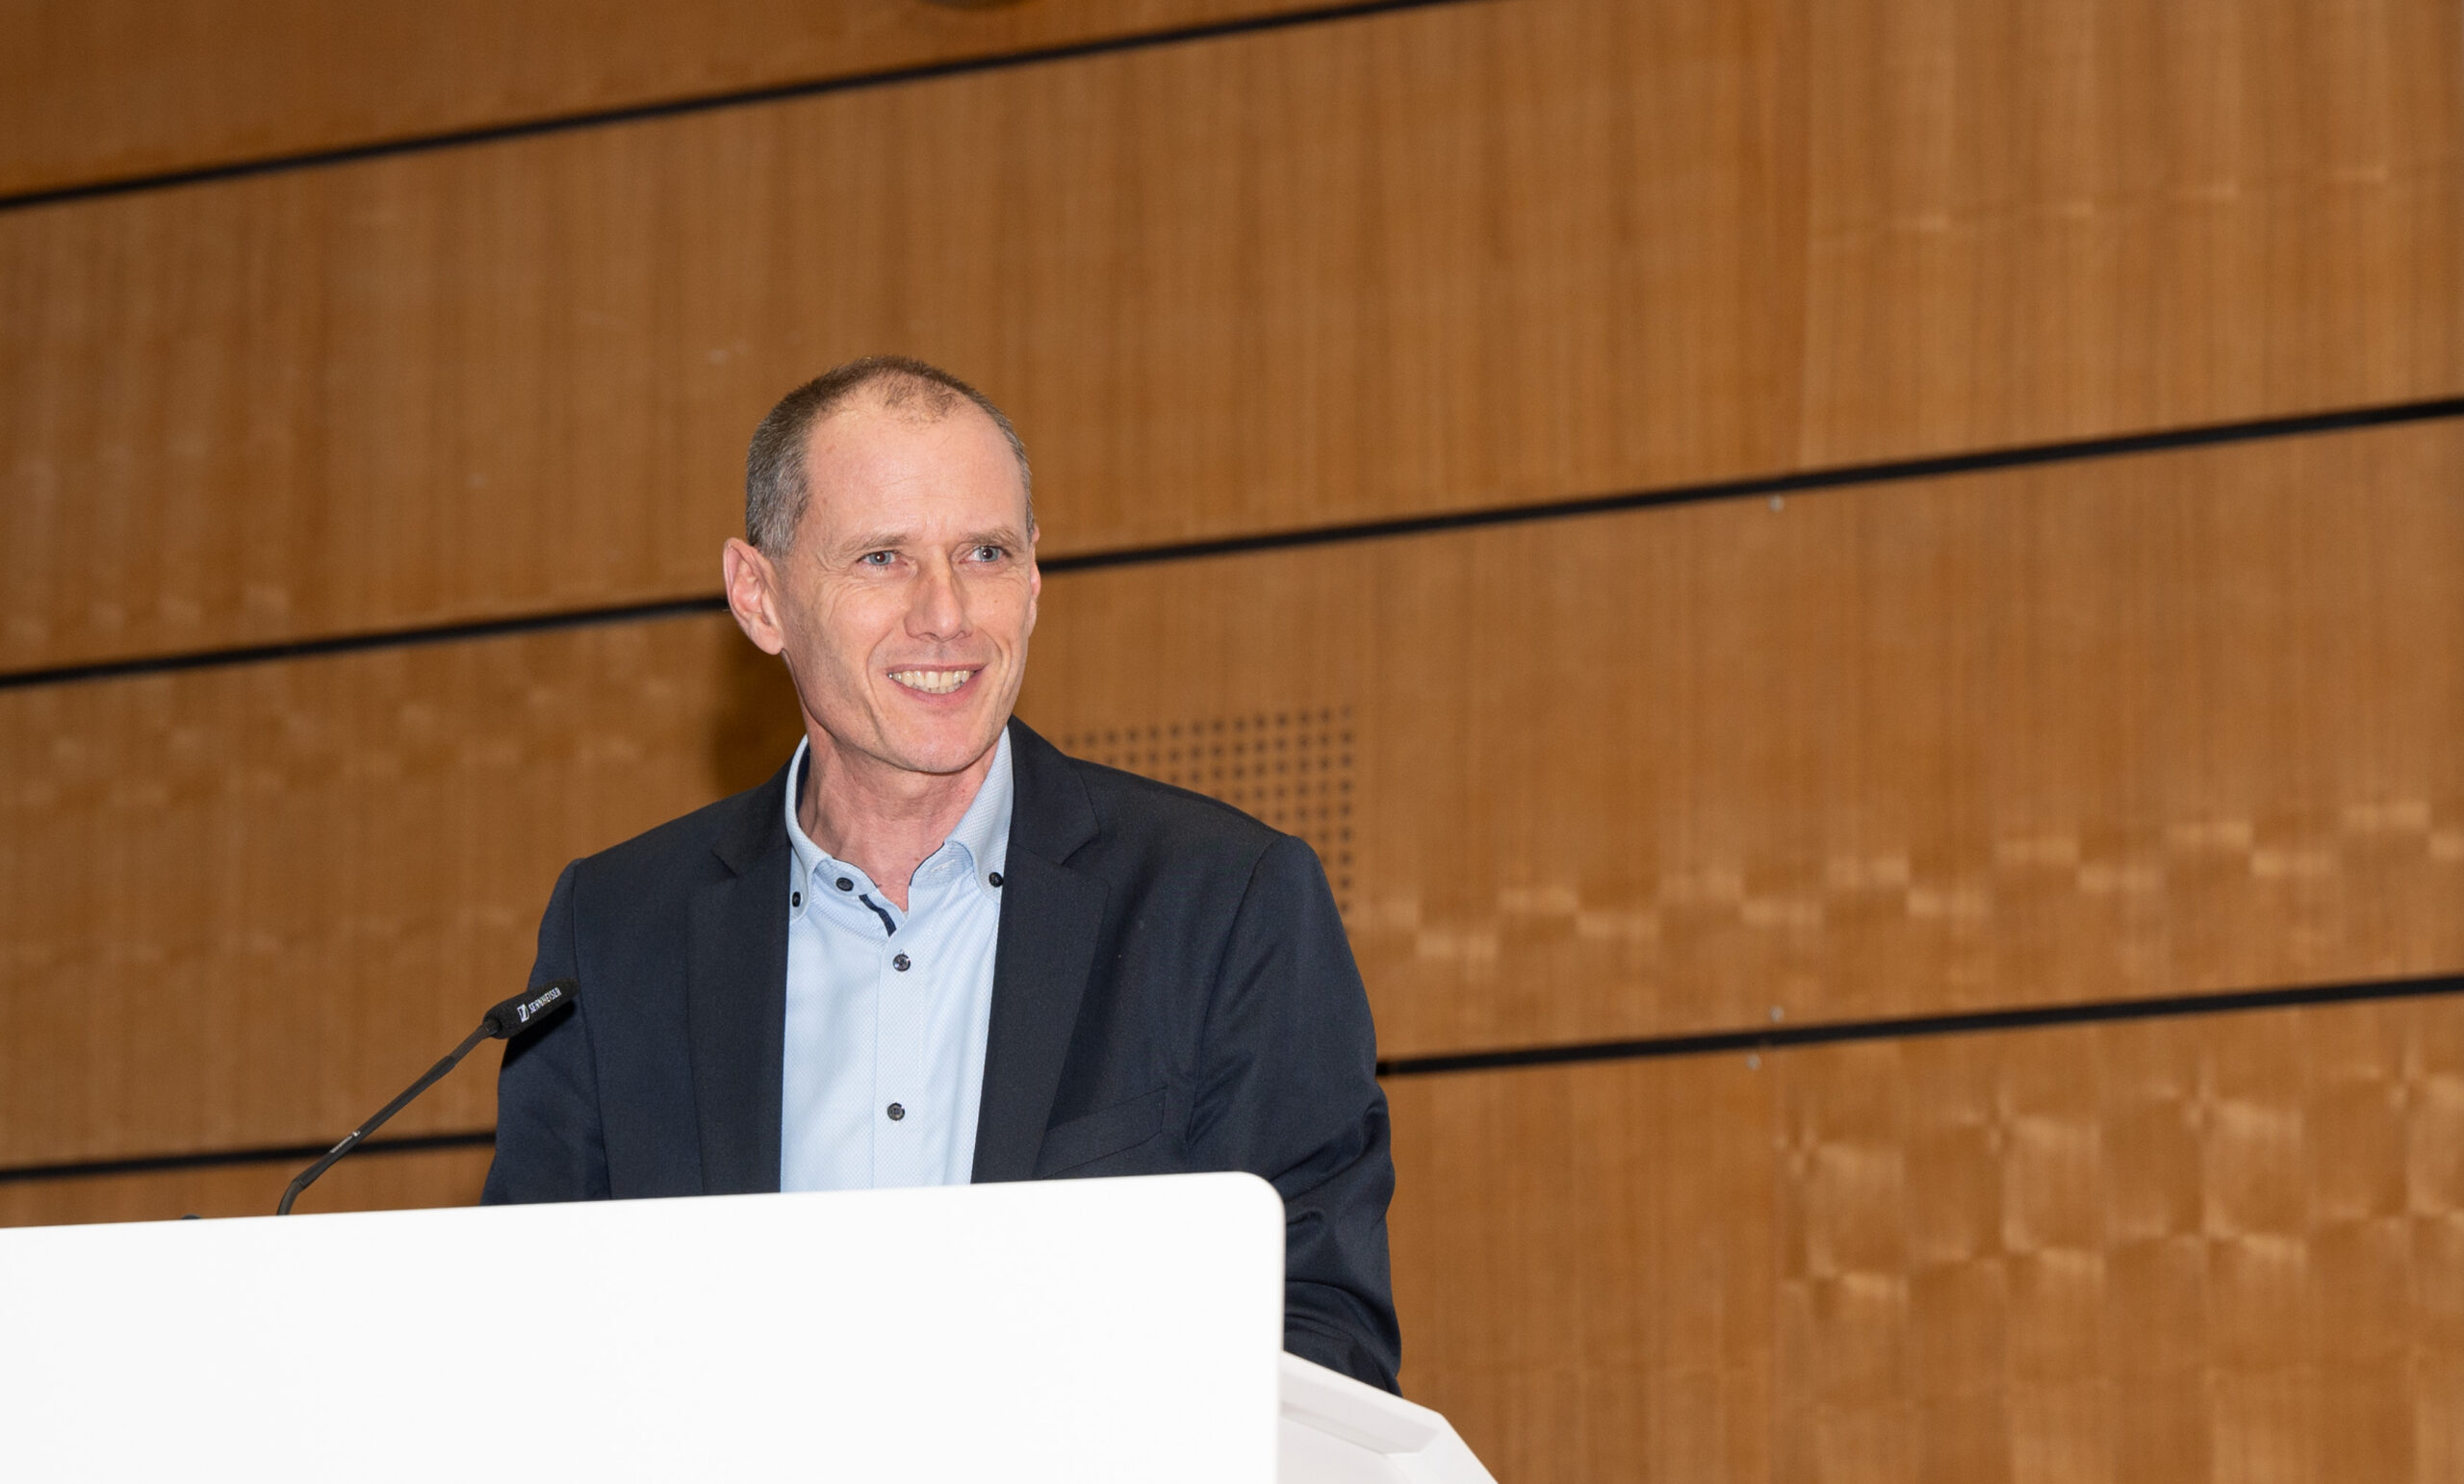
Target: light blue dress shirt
{"points": [[887, 1011]]}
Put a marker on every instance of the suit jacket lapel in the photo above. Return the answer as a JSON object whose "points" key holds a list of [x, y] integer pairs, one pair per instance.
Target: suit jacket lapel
{"points": [[1050, 919], [737, 998]]}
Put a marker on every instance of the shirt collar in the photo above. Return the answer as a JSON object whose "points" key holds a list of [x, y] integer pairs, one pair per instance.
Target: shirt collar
{"points": [[983, 831]]}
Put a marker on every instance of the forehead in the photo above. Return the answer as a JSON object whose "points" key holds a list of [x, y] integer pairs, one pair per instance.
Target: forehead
{"points": [[871, 467]]}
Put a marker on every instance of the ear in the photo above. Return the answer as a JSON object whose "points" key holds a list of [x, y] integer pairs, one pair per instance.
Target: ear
{"points": [[754, 596], [1035, 576]]}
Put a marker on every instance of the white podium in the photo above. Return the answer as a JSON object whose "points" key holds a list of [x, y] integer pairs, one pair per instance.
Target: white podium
{"points": [[1069, 1330]]}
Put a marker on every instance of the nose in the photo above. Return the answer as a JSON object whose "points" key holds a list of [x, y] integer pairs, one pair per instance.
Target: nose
{"points": [[936, 610]]}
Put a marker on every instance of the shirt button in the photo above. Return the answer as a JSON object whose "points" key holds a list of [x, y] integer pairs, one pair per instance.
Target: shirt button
{"points": [[994, 877], [897, 1112], [902, 963], [795, 899], [844, 884]]}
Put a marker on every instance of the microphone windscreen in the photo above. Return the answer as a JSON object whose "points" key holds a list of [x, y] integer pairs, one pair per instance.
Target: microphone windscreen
{"points": [[531, 1006]]}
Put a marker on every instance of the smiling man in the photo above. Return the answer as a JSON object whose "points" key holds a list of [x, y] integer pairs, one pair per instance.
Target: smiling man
{"points": [[933, 949]]}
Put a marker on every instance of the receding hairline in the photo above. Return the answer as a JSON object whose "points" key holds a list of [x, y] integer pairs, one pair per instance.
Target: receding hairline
{"points": [[908, 397], [896, 388], [777, 465], [913, 400]]}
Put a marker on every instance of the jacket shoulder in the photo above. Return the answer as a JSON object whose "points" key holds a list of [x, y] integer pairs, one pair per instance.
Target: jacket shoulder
{"points": [[665, 852], [1133, 809]]}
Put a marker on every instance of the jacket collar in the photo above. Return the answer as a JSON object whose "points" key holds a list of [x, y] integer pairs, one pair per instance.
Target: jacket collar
{"points": [[735, 995], [755, 826], [736, 988], [1051, 917], [1051, 815]]}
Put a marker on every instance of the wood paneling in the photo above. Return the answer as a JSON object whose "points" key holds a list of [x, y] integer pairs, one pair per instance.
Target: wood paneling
{"points": [[2132, 728], [106, 90], [1472, 255], [2222, 1247], [246, 906], [1583, 1262], [2027, 221], [378, 1180], [2219, 1247], [2164, 724]]}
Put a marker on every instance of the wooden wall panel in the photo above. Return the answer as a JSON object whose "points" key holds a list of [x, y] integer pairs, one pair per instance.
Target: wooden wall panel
{"points": [[1583, 1262], [2218, 1247], [2027, 221], [106, 90], [2155, 726], [1465, 256], [374, 1180], [248, 906], [2213, 1248], [2142, 727]]}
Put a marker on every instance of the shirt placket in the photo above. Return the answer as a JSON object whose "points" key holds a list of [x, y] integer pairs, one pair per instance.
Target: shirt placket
{"points": [[902, 1123], [861, 910]]}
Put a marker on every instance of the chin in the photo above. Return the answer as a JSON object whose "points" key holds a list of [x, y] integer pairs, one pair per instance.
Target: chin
{"points": [[946, 752]]}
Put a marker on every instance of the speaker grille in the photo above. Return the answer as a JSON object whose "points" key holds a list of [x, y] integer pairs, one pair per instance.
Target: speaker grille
{"points": [[1290, 769]]}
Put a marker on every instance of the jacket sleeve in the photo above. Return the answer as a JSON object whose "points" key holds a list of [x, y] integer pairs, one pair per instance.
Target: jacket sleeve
{"points": [[550, 1146], [1288, 1090]]}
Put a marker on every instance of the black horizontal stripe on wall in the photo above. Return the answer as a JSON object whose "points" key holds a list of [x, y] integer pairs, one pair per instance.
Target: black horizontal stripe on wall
{"points": [[708, 102], [1805, 481], [2029, 1017], [1754, 487], [211, 1159], [352, 644], [1754, 1039]]}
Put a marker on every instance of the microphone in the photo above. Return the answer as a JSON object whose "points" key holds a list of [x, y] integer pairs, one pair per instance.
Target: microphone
{"points": [[514, 1016]]}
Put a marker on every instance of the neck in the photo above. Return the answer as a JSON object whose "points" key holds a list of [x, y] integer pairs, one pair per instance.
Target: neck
{"points": [[882, 819]]}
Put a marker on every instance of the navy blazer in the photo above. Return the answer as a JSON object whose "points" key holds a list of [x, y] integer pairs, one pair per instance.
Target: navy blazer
{"points": [[1172, 991]]}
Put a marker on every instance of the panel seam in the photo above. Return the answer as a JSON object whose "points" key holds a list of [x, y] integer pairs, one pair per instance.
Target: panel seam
{"points": [[704, 103], [1753, 1040], [1756, 1039], [1750, 487], [211, 1159]]}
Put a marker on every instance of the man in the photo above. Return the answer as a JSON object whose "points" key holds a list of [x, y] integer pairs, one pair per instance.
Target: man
{"points": [[933, 949]]}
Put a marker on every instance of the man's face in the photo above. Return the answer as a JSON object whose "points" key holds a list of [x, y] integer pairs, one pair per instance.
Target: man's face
{"points": [[909, 592]]}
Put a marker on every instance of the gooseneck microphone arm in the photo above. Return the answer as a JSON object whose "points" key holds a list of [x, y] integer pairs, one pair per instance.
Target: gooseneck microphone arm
{"points": [[519, 1014]]}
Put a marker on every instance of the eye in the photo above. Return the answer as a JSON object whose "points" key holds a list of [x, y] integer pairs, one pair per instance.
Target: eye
{"points": [[876, 558], [988, 553]]}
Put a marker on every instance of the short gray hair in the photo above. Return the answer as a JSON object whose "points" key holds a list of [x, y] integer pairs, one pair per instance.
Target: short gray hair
{"points": [[776, 488]]}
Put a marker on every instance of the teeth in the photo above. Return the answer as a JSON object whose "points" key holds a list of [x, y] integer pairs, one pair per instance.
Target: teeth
{"points": [[932, 683]]}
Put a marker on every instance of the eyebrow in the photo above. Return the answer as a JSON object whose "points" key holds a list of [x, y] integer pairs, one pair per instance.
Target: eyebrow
{"points": [[881, 541]]}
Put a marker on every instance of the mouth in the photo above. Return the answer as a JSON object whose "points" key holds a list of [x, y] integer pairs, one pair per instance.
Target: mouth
{"points": [[933, 682]]}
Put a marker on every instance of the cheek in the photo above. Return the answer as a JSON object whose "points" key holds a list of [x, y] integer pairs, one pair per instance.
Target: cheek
{"points": [[1010, 611], [844, 628]]}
